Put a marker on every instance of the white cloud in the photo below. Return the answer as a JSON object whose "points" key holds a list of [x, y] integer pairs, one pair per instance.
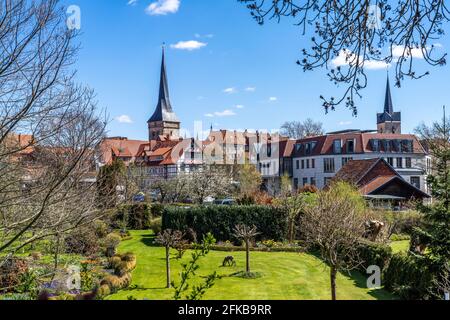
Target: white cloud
{"points": [[346, 58], [240, 106], [124, 119], [250, 89], [163, 7], [188, 45], [345, 123], [273, 99], [225, 113], [132, 2], [230, 90], [397, 51]]}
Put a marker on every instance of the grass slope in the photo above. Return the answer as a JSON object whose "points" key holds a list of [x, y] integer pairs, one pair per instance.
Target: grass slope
{"points": [[286, 276]]}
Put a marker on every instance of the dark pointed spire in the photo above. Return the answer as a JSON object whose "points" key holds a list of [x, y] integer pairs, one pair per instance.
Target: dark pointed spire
{"points": [[388, 105], [164, 111]]}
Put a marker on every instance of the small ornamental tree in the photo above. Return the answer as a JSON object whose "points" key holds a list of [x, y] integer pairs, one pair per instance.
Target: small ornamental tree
{"points": [[169, 239], [247, 234], [334, 223]]}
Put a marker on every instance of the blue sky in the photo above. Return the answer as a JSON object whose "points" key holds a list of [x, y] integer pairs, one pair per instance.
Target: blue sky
{"points": [[121, 54]]}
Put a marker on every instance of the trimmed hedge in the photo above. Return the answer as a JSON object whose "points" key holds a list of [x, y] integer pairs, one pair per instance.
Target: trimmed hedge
{"points": [[409, 276], [374, 254], [221, 220], [138, 216]]}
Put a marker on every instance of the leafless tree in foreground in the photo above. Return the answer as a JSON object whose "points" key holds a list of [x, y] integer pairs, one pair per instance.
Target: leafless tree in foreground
{"points": [[350, 36], [247, 234], [169, 239], [334, 224], [49, 127]]}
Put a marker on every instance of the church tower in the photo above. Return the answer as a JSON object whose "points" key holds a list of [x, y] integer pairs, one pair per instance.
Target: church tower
{"points": [[164, 122], [389, 121]]}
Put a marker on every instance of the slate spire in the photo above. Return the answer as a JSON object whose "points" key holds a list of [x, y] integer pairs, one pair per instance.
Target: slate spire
{"points": [[164, 111], [388, 105]]}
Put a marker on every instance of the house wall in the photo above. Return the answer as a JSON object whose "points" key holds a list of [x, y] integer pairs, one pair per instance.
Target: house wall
{"points": [[418, 161]]}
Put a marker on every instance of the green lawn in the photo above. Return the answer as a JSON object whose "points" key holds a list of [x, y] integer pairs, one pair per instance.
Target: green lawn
{"points": [[286, 276], [400, 246]]}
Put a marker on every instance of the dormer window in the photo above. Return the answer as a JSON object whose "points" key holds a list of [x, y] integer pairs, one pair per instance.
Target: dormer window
{"points": [[337, 146], [351, 146], [375, 145], [387, 145]]}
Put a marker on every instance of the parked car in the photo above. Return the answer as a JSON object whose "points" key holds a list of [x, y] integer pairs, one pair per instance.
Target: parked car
{"points": [[140, 197], [225, 202]]}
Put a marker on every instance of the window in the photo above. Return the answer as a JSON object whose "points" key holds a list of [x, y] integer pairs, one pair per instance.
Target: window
{"points": [[415, 181], [397, 145], [307, 148], [375, 145], [297, 164], [399, 162], [328, 165], [326, 181], [305, 181], [313, 163], [350, 146], [307, 164], [408, 163], [387, 145], [429, 166], [390, 161], [407, 146], [313, 181], [303, 164], [346, 160], [296, 183], [337, 147]]}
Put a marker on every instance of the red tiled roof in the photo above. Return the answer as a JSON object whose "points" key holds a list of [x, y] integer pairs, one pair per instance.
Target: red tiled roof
{"points": [[375, 184], [121, 148], [355, 170], [160, 152]]}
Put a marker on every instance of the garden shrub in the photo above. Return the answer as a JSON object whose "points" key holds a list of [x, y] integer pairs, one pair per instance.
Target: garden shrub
{"points": [[409, 276], [110, 243], [11, 273], [221, 221], [101, 228], [157, 210], [403, 222], [83, 241], [122, 264], [156, 225]]}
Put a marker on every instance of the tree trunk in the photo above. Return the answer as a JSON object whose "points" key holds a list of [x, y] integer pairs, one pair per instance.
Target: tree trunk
{"points": [[247, 247], [56, 256], [333, 274], [291, 230], [168, 266]]}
